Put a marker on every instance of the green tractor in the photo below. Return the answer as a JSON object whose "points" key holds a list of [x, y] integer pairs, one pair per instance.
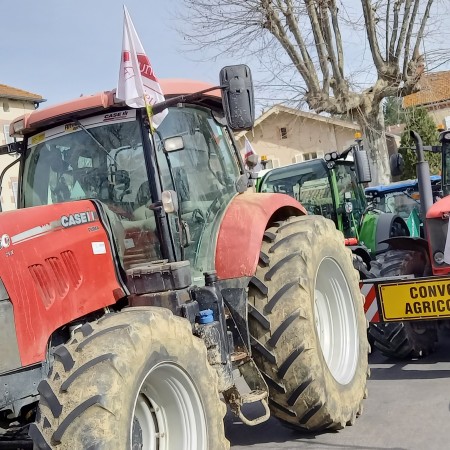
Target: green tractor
{"points": [[333, 187]]}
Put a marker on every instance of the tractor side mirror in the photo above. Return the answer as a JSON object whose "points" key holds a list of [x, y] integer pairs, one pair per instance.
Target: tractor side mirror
{"points": [[362, 166], [237, 96], [397, 164]]}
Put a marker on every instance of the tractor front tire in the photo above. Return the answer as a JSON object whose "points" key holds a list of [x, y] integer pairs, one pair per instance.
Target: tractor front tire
{"points": [[402, 340], [307, 325], [134, 379]]}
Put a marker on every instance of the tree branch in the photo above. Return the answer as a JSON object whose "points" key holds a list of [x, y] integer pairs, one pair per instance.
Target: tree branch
{"points": [[372, 35], [338, 37], [274, 26], [415, 54], [319, 41], [390, 55], [294, 29], [388, 7], [405, 22], [408, 39]]}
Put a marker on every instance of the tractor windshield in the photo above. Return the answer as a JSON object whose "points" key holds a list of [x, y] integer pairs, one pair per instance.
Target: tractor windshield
{"points": [[321, 190], [307, 182], [97, 158], [203, 173]]}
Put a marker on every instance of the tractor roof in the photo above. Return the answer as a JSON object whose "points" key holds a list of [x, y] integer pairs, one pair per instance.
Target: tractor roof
{"points": [[97, 102], [398, 186]]}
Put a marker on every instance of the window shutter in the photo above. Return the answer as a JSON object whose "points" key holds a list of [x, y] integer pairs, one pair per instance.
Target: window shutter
{"points": [[8, 138]]}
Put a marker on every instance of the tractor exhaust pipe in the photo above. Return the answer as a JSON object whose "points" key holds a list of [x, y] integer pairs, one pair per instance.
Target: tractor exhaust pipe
{"points": [[423, 176]]}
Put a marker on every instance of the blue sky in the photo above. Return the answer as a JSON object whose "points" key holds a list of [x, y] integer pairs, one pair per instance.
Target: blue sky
{"points": [[61, 49]]}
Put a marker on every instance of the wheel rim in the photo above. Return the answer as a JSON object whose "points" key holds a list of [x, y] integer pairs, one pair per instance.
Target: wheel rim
{"points": [[335, 319], [168, 413]]}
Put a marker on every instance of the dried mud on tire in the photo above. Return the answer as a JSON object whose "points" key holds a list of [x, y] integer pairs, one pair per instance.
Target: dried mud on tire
{"points": [[87, 401], [285, 343]]}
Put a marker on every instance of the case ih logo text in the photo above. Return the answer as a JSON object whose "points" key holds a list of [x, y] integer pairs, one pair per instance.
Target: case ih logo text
{"points": [[115, 116], [78, 219]]}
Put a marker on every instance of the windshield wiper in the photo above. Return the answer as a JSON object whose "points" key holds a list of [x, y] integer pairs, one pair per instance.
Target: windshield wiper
{"points": [[94, 139]]}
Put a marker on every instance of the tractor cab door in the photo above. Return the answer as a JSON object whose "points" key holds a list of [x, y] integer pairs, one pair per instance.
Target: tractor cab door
{"points": [[349, 197], [203, 170]]}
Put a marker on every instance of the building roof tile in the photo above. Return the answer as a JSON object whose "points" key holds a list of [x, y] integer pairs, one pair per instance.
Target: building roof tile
{"points": [[18, 94], [434, 88]]}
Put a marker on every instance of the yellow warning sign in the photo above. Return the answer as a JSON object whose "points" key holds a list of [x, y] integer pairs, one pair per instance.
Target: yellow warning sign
{"points": [[425, 298]]}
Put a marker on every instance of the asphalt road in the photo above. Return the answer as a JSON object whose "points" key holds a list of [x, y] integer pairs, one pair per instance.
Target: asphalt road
{"points": [[408, 409]]}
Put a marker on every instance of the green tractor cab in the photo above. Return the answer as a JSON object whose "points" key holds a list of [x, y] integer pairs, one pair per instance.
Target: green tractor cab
{"points": [[333, 187]]}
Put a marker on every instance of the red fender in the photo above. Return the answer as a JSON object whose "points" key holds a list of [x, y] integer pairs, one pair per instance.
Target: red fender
{"points": [[242, 229]]}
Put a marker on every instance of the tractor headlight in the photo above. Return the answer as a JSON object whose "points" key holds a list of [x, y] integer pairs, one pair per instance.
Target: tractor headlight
{"points": [[438, 258]]}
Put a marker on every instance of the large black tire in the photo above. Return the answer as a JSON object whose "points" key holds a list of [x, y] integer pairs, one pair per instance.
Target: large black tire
{"points": [[88, 400], [402, 340], [285, 340]]}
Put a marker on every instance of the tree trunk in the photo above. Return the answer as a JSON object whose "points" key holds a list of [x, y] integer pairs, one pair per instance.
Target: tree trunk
{"points": [[373, 131]]}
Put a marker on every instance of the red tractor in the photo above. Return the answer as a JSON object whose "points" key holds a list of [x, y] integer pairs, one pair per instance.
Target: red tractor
{"points": [[411, 300], [138, 273]]}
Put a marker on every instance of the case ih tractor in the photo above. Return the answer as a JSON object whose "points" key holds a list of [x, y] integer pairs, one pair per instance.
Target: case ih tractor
{"points": [[412, 299], [138, 274]]}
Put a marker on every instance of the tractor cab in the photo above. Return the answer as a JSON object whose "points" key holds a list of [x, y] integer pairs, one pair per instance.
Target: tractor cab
{"points": [[163, 192], [330, 192], [403, 198]]}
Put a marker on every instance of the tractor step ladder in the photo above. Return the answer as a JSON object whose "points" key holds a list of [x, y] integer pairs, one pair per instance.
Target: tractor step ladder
{"points": [[236, 400]]}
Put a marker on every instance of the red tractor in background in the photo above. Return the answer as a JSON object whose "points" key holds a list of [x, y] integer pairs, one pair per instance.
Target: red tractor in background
{"points": [[411, 300], [138, 273]]}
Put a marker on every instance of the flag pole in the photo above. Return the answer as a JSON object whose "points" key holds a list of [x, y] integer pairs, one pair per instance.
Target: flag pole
{"points": [[149, 110]]}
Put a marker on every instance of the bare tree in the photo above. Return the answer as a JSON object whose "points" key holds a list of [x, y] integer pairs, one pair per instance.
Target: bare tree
{"points": [[309, 33]]}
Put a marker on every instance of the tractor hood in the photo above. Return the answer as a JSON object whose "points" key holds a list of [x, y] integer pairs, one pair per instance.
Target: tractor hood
{"points": [[53, 260], [440, 209]]}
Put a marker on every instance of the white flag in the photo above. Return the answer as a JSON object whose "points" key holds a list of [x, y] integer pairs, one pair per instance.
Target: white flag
{"points": [[248, 149], [138, 85]]}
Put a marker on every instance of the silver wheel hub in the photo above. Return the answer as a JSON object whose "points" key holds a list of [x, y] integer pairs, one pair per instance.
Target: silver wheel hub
{"points": [[335, 319], [168, 412]]}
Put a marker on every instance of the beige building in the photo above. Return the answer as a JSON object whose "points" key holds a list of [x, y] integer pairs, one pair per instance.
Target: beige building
{"points": [[286, 135], [13, 103], [434, 95]]}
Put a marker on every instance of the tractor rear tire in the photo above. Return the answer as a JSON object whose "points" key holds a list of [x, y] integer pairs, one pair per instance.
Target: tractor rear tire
{"points": [[307, 325], [134, 379], [402, 340]]}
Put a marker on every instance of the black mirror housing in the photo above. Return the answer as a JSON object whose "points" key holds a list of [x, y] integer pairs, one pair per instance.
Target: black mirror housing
{"points": [[396, 164], [237, 97], [362, 166], [13, 147]]}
